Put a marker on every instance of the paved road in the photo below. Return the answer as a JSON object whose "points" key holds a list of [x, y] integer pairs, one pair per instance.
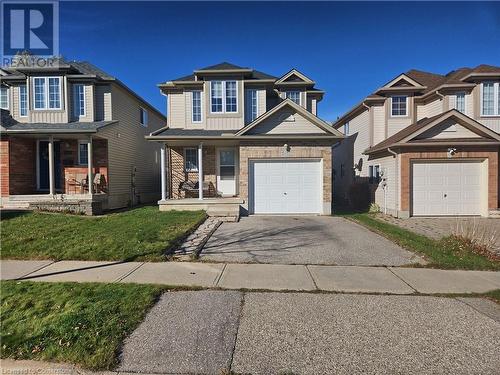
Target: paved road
{"points": [[302, 333], [302, 240]]}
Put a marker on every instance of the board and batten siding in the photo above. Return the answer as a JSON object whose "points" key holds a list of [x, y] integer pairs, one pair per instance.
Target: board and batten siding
{"points": [[134, 163]]}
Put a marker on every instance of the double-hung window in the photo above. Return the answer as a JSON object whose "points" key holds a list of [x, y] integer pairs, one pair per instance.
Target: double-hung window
{"points": [[399, 105], [460, 102], [294, 96], [79, 99], [143, 117], [490, 99], [4, 97], [223, 96], [23, 101], [196, 106], [190, 159], [83, 156], [346, 128], [47, 93]]}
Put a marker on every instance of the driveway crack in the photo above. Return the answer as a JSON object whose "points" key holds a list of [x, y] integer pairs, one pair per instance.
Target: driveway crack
{"points": [[238, 322]]}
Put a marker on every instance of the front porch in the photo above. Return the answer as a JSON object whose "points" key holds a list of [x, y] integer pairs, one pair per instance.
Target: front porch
{"points": [[54, 173]]}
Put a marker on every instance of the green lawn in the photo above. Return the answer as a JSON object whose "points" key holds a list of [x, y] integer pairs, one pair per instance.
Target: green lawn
{"points": [[83, 324], [142, 233], [447, 253]]}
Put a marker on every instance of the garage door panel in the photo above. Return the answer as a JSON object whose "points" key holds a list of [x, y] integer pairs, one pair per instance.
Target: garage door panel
{"points": [[285, 186], [446, 188]]}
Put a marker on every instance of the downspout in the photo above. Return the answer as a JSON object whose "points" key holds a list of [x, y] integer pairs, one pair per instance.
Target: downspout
{"points": [[396, 176]]}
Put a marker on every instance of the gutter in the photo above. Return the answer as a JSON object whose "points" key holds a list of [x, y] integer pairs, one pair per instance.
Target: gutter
{"points": [[238, 138]]}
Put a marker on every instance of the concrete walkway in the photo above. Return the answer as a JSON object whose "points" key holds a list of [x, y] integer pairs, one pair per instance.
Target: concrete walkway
{"points": [[276, 277]]}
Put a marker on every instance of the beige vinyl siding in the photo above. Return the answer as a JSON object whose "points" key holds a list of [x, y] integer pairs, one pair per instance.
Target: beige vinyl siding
{"points": [[261, 97], [14, 103], [279, 123], [127, 149], [89, 103], [378, 123], [359, 128], [224, 121], [103, 103], [50, 115], [395, 123], [449, 129], [430, 109], [177, 110], [388, 166], [492, 123]]}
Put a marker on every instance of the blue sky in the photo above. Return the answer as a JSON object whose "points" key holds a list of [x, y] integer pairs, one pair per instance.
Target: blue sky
{"points": [[349, 49]]}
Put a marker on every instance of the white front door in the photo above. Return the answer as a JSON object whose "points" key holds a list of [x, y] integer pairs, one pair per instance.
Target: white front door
{"points": [[446, 188], [226, 171], [285, 186]]}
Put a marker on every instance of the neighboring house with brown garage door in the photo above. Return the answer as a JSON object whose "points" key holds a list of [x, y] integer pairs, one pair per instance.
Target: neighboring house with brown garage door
{"points": [[254, 140], [70, 124], [427, 144]]}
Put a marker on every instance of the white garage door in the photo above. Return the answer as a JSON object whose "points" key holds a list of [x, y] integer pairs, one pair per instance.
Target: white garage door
{"points": [[285, 186], [446, 188]]}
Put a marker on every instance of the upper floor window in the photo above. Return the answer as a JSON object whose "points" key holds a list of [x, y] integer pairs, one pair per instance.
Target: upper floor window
{"points": [[399, 105], [346, 128], [223, 96], [490, 99], [294, 96], [4, 97], [196, 106], [79, 99], [143, 115], [251, 105], [191, 159], [47, 93], [23, 101], [460, 102]]}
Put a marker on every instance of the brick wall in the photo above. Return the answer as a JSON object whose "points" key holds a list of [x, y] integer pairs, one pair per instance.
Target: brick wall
{"points": [[4, 167], [297, 150], [22, 165], [178, 175], [490, 153]]}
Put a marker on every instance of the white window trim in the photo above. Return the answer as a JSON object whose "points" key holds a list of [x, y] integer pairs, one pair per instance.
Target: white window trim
{"points": [[185, 159], [146, 117], [224, 96], [79, 156], [27, 100], [300, 95], [496, 93], [346, 128], [407, 112], [47, 100], [201, 107], [76, 101], [248, 96], [8, 99]]}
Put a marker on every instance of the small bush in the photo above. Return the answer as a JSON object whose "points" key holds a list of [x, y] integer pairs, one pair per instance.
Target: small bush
{"points": [[374, 208]]}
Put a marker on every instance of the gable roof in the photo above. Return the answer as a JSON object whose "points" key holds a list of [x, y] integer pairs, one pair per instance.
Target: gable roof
{"points": [[405, 135], [301, 110], [292, 72]]}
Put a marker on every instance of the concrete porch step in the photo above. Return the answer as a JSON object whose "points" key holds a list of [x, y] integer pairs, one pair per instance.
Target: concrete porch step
{"points": [[494, 214]]}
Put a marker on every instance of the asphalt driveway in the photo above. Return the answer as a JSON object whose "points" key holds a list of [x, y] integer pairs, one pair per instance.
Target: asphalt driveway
{"points": [[302, 240]]}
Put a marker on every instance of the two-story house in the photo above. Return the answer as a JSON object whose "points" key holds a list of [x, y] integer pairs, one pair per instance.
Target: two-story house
{"points": [[253, 140], [427, 144], [72, 138]]}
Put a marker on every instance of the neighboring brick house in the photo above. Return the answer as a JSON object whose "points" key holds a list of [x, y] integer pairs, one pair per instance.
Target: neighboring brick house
{"points": [[64, 123], [427, 144], [254, 140]]}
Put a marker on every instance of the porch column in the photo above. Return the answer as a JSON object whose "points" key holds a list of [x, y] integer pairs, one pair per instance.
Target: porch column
{"points": [[200, 171], [52, 190], [162, 171], [89, 165]]}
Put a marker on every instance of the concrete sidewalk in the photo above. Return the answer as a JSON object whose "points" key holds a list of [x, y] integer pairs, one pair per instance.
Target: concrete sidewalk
{"points": [[347, 279]]}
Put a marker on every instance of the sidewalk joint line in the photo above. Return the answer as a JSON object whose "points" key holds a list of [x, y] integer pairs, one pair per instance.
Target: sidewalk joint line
{"points": [[403, 280], [311, 276], [38, 269], [473, 307], [120, 278]]}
